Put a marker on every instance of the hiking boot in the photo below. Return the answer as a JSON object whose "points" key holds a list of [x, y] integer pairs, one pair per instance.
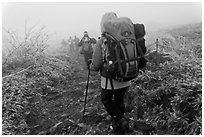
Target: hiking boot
{"points": [[109, 119], [123, 124], [115, 127]]}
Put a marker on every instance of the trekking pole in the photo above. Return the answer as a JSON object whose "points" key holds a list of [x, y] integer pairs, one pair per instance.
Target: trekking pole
{"points": [[87, 86], [157, 44]]}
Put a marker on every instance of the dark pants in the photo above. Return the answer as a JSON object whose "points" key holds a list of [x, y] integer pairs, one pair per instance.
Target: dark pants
{"points": [[87, 56], [113, 101]]}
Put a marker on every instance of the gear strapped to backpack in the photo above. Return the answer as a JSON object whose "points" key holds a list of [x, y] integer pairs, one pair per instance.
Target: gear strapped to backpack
{"points": [[121, 50], [139, 34]]}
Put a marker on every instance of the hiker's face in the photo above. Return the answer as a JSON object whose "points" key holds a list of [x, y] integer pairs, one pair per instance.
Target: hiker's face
{"points": [[85, 34]]}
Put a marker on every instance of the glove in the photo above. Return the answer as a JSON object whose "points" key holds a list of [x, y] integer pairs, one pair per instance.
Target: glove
{"points": [[89, 61]]}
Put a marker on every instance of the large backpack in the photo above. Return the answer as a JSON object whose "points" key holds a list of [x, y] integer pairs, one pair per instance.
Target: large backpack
{"points": [[121, 53]]}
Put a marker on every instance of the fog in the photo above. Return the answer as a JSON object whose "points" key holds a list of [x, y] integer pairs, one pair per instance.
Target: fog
{"points": [[68, 19]]}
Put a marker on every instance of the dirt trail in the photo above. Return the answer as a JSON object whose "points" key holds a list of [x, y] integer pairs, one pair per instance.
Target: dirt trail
{"points": [[58, 113], [61, 113]]}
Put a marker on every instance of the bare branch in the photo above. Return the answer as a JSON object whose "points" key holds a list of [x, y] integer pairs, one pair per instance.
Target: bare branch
{"points": [[17, 72], [32, 46]]}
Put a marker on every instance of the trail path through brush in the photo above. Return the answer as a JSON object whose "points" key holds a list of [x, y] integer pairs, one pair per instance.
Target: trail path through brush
{"points": [[58, 113], [61, 113]]}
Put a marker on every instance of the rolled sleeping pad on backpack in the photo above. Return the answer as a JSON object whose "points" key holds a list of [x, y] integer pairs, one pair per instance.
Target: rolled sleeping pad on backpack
{"points": [[139, 30], [139, 34]]}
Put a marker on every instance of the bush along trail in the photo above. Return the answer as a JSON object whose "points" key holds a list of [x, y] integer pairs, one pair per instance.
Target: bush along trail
{"points": [[48, 98]]}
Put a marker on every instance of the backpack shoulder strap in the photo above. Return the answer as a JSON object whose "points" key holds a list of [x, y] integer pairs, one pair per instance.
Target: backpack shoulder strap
{"points": [[111, 83]]}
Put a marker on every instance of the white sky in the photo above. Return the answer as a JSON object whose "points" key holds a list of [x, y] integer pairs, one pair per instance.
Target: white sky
{"points": [[69, 19]]}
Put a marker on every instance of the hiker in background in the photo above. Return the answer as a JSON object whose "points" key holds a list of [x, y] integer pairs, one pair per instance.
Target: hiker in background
{"points": [[76, 42], [104, 57], [86, 48]]}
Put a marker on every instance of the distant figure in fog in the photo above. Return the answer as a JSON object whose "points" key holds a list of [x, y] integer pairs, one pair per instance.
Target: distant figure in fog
{"points": [[86, 48], [71, 45]]}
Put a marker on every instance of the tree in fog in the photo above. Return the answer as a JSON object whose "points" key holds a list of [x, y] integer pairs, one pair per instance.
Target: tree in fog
{"points": [[25, 50]]}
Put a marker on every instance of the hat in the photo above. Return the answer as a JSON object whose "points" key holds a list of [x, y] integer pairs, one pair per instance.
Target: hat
{"points": [[85, 33], [107, 17]]}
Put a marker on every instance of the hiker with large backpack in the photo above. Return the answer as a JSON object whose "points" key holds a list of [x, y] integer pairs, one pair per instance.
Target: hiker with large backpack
{"points": [[86, 48], [118, 57]]}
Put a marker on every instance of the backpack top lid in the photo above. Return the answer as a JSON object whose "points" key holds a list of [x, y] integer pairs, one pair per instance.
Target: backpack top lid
{"points": [[119, 28]]}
